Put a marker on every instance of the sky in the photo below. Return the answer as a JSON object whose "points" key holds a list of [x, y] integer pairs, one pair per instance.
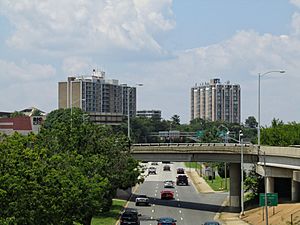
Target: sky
{"points": [[167, 45]]}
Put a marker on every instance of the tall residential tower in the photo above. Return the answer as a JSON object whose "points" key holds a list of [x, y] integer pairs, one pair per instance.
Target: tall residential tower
{"points": [[215, 101], [106, 101]]}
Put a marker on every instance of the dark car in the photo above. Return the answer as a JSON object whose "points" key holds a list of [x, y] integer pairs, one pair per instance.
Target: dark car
{"points": [[182, 179], [211, 223], [166, 221], [180, 170], [130, 216], [151, 170], [166, 168]]}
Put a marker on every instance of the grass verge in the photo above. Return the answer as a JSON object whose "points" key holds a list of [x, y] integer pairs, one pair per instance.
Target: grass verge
{"points": [[192, 165], [111, 217], [218, 184]]}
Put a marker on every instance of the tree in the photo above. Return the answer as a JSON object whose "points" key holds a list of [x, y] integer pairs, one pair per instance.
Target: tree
{"points": [[16, 114], [69, 172], [175, 120], [251, 122], [101, 155]]}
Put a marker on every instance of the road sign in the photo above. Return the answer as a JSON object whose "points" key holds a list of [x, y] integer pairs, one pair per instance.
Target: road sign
{"points": [[272, 199], [200, 133]]}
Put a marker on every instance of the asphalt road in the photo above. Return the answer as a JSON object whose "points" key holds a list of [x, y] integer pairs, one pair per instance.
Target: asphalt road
{"points": [[189, 207]]}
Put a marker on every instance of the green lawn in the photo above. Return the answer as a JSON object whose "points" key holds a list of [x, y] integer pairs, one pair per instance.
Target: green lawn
{"points": [[218, 184], [192, 165], [111, 217]]}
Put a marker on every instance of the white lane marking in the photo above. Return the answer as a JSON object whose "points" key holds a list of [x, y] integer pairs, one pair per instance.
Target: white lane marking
{"points": [[153, 205], [177, 199], [179, 211], [156, 190], [177, 195], [181, 218], [155, 194], [153, 210]]}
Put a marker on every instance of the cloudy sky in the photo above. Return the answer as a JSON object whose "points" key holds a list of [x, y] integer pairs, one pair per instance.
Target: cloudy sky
{"points": [[169, 46]]}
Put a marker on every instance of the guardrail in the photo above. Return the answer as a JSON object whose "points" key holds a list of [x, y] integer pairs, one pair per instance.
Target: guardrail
{"points": [[192, 144]]}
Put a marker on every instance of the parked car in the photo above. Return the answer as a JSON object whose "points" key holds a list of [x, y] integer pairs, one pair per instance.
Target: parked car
{"points": [[211, 223], [166, 221], [167, 168], [130, 216], [151, 170], [154, 163], [166, 194], [180, 170], [142, 200], [182, 179], [169, 184]]}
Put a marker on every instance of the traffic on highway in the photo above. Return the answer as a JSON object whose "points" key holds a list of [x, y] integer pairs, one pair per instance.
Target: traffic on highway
{"points": [[168, 197]]}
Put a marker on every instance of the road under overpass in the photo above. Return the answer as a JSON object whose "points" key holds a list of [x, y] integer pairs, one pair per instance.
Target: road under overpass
{"points": [[282, 163]]}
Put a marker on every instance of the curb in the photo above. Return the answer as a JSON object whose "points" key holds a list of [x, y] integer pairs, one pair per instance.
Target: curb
{"points": [[126, 205], [218, 214]]}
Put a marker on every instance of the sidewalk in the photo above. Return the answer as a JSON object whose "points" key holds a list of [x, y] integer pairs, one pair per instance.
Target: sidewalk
{"points": [[227, 218]]}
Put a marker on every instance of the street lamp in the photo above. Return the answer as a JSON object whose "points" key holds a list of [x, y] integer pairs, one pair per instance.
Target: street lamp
{"points": [[242, 173], [128, 108], [259, 76], [258, 136], [226, 141]]}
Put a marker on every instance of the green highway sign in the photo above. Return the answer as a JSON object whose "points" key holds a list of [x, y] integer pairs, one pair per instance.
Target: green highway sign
{"points": [[272, 199], [200, 133]]}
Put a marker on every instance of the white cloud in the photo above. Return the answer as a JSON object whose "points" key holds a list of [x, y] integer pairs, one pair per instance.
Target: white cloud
{"points": [[25, 71], [238, 59], [77, 65], [295, 2], [25, 84], [87, 25]]}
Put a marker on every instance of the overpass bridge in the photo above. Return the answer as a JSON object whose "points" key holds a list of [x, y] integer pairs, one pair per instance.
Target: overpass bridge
{"points": [[282, 163]]}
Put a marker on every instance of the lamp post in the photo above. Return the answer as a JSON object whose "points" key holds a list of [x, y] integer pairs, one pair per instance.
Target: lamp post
{"points": [[242, 173], [128, 108], [258, 137], [225, 165]]}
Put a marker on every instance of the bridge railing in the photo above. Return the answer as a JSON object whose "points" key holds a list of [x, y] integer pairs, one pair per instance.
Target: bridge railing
{"points": [[191, 144]]}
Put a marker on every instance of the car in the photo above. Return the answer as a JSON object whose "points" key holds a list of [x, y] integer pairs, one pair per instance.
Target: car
{"points": [[142, 200], [180, 170], [166, 194], [166, 221], [182, 179], [154, 163], [211, 223], [169, 184], [151, 170], [130, 216], [167, 168]]}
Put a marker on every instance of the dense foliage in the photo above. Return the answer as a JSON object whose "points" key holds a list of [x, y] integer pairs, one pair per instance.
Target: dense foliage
{"points": [[69, 172], [145, 130], [280, 134]]}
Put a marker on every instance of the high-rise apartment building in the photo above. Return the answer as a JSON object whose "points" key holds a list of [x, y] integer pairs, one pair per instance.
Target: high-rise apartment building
{"points": [[106, 101], [215, 101]]}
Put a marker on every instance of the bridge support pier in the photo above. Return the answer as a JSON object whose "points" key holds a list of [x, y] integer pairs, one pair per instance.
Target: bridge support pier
{"points": [[235, 186], [270, 184], [296, 186]]}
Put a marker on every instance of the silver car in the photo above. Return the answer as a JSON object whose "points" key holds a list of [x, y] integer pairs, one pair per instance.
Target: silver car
{"points": [[142, 200]]}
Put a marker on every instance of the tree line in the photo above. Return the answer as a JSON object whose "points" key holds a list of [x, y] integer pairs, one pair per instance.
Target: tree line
{"points": [[67, 173]]}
